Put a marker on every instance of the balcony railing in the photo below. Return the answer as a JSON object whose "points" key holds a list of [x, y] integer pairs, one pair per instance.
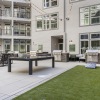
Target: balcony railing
{"points": [[5, 13], [5, 32], [20, 14], [18, 32]]}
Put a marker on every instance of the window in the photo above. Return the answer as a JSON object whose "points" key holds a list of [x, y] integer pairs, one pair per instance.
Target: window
{"points": [[46, 22], [90, 15], [84, 36], [22, 29], [95, 14], [22, 45], [95, 44], [75, 0], [7, 45], [89, 41], [50, 3], [22, 12], [46, 3], [7, 11], [53, 21], [95, 41], [7, 29], [16, 45], [95, 36], [84, 16], [39, 23], [53, 2], [84, 43]]}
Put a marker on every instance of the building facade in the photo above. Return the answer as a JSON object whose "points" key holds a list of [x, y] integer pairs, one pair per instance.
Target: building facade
{"points": [[68, 25], [47, 25], [15, 25]]}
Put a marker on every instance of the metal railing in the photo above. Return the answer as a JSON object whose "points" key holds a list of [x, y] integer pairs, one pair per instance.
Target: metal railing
{"points": [[18, 32], [20, 14], [5, 32], [5, 13]]}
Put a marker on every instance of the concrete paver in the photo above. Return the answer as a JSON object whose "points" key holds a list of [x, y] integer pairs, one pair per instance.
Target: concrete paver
{"points": [[19, 81]]}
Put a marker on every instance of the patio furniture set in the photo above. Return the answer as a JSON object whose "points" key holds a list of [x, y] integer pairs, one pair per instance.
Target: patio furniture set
{"points": [[30, 57], [77, 57], [4, 57]]}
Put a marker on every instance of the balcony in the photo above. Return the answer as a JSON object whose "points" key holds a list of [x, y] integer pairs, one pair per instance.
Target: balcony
{"points": [[5, 13], [20, 14], [18, 32], [6, 32]]}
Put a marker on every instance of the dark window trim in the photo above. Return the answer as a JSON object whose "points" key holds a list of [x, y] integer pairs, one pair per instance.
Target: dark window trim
{"points": [[75, 1]]}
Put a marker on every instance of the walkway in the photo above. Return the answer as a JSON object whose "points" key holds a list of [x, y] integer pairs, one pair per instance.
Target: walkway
{"points": [[18, 81]]}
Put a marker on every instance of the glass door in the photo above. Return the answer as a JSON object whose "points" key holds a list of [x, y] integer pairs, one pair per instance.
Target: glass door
{"points": [[28, 45], [7, 45], [84, 46], [22, 30], [60, 46], [7, 11], [22, 13], [28, 28], [16, 12], [7, 29], [22, 46], [27, 48], [16, 45], [16, 29]]}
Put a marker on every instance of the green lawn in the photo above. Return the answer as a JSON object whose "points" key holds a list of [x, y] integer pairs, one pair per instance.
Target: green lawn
{"points": [[79, 83]]}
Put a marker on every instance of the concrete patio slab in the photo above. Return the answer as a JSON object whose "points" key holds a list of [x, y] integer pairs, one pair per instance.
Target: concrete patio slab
{"points": [[19, 81]]}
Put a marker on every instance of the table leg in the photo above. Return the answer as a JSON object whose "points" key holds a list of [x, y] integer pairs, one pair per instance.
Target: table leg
{"points": [[9, 65], [30, 67], [53, 62], [36, 63]]}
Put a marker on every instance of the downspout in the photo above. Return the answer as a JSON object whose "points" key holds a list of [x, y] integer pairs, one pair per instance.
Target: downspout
{"points": [[65, 33]]}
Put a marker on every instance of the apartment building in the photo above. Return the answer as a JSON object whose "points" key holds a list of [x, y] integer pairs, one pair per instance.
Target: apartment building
{"points": [[68, 25], [47, 25], [15, 25]]}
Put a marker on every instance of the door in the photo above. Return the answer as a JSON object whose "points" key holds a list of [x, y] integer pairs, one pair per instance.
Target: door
{"points": [[22, 46], [16, 12], [7, 11], [7, 29], [27, 48], [22, 29], [60, 46], [84, 46], [7, 45], [22, 13], [28, 30]]}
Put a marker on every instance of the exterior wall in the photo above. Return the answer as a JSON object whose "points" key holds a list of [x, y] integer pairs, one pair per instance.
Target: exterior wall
{"points": [[44, 37], [73, 27], [11, 20]]}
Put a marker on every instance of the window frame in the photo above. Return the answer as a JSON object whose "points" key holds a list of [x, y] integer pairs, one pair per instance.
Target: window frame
{"points": [[89, 16], [50, 28], [50, 4], [89, 40], [75, 1]]}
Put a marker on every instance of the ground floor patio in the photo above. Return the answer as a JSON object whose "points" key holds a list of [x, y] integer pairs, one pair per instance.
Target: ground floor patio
{"points": [[19, 81]]}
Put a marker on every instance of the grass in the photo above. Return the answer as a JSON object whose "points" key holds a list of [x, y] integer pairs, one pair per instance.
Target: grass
{"points": [[79, 83]]}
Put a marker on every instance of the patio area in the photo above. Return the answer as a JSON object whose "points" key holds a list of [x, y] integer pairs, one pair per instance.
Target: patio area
{"points": [[19, 81]]}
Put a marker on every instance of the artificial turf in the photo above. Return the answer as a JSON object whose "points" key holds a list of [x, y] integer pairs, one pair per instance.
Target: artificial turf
{"points": [[78, 83]]}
